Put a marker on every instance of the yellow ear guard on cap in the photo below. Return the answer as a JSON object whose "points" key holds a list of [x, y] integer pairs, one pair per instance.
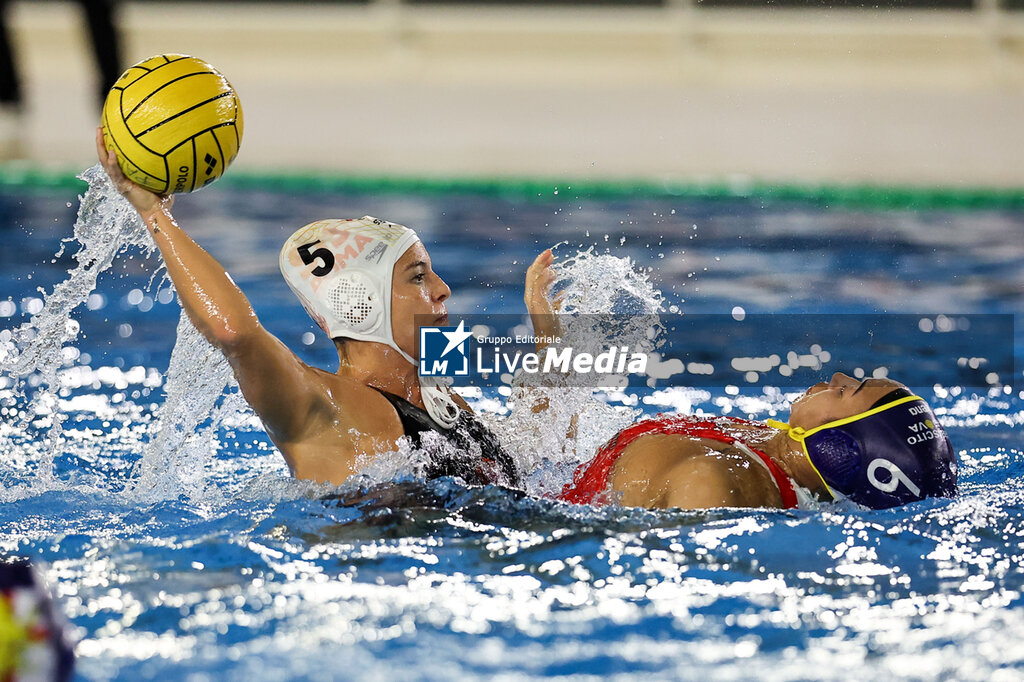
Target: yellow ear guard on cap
{"points": [[799, 434]]}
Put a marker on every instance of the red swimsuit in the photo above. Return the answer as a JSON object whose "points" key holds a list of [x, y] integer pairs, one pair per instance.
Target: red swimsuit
{"points": [[591, 479]]}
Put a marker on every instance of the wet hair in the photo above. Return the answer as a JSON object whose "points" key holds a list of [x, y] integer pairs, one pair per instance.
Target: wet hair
{"points": [[341, 345], [892, 396]]}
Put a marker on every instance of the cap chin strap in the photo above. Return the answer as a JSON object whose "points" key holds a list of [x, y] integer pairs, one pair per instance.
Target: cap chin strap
{"points": [[436, 396], [800, 434], [438, 401]]}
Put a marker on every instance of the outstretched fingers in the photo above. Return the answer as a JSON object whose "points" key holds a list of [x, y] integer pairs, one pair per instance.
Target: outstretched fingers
{"points": [[108, 159], [539, 278]]}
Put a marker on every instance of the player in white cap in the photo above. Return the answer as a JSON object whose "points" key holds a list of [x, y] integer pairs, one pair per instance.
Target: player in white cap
{"points": [[365, 282]]}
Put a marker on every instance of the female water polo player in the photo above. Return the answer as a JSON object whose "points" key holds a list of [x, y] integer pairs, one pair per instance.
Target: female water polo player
{"points": [[872, 441], [365, 281]]}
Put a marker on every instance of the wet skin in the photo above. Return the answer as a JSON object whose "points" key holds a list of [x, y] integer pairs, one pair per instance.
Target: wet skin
{"points": [[841, 397], [416, 291]]}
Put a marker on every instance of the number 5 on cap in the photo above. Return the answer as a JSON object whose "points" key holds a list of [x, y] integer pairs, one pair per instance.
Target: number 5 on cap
{"points": [[322, 253]]}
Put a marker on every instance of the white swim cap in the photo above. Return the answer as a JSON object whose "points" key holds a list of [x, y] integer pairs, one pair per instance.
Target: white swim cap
{"points": [[341, 270]]}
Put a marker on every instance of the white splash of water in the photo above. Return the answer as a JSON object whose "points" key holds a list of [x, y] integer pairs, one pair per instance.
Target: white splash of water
{"points": [[553, 427], [389, 465], [607, 301], [173, 463], [106, 225], [551, 430], [602, 284]]}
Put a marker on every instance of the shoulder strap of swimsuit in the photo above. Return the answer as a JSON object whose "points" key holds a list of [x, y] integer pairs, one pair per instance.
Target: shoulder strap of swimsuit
{"points": [[414, 419], [787, 489]]}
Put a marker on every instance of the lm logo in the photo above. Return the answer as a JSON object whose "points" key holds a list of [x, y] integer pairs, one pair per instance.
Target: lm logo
{"points": [[444, 351]]}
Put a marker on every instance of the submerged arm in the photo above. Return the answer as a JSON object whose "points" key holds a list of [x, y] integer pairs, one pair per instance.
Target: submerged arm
{"points": [[275, 382]]}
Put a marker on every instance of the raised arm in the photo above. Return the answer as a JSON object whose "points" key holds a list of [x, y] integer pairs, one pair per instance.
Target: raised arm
{"points": [[284, 391], [539, 277], [543, 310]]}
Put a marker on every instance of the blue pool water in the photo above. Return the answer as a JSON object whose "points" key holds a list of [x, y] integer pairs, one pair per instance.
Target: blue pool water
{"points": [[193, 555]]}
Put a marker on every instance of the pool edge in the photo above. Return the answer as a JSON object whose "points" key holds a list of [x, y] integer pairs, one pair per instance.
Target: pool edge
{"points": [[865, 196]]}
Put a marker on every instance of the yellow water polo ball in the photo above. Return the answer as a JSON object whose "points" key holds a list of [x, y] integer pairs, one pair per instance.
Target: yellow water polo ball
{"points": [[175, 123]]}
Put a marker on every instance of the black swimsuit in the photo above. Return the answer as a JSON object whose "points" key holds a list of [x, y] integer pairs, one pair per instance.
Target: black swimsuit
{"points": [[475, 454]]}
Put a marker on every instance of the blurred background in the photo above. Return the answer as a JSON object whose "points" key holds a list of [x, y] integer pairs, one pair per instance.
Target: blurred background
{"points": [[915, 92]]}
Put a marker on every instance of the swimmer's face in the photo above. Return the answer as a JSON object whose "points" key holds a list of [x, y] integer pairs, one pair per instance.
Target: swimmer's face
{"points": [[416, 290], [841, 397]]}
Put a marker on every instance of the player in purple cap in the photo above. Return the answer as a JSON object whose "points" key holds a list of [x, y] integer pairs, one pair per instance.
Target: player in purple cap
{"points": [[873, 442]]}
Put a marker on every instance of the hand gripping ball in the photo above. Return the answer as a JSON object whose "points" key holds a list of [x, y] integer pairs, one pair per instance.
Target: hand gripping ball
{"points": [[175, 123]]}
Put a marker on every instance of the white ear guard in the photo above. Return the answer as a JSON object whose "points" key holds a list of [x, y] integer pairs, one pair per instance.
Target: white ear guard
{"points": [[356, 300]]}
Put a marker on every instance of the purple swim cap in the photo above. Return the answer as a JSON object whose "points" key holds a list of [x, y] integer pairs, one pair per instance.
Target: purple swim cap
{"points": [[892, 454]]}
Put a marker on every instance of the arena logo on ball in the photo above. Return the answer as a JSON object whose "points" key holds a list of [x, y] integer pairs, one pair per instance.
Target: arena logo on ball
{"points": [[445, 351]]}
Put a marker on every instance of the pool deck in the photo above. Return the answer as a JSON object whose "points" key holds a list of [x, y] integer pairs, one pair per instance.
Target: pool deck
{"points": [[841, 97]]}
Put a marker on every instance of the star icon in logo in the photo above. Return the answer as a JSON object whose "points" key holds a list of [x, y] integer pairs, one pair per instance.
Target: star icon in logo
{"points": [[456, 338]]}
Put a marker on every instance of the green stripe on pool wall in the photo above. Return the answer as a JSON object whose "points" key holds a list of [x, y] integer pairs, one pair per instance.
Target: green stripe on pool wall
{"points": [[862, 196]]}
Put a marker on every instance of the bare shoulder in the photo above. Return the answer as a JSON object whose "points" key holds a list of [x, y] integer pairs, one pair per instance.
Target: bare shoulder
{"points": [[640, 474], [722, 477], [661, 470], [352, 421], [348, 403]]}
